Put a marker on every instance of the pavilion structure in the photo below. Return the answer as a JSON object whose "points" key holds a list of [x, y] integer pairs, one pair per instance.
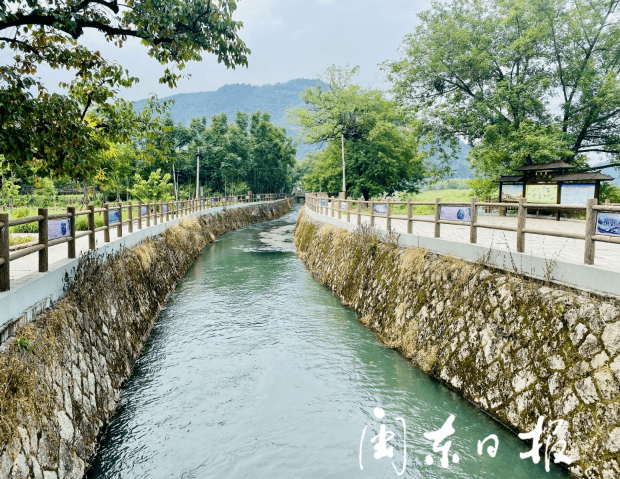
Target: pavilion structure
{"points": [[556, 182]]}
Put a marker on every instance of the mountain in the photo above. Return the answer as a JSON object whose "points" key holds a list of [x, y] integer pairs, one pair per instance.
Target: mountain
{"points": [[229, 99]]}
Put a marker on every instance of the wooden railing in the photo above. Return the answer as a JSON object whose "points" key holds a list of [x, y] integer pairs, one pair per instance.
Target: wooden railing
{"points": [[51, 231], [330, 206]]}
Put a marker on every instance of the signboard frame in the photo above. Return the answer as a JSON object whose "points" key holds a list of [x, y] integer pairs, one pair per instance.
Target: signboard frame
{"points": [[612, 228], [114, 216], [586, 188], [380, 209], [455, 213], [510, 194], [58, 228], [544, 193]]}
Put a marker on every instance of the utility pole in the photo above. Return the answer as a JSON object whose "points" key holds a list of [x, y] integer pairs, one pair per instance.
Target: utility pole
{"points": [[344, 182], [197, 171]]}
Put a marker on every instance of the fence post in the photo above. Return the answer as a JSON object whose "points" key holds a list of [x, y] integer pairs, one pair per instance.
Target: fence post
{"points": [[106, 223], [5, 277], [161, 211], [473, 230], [437, 217], [119, 228], [91, 227], [332, 205], [521, 226], [359, 212], [168, 208], [388, 214], [409, 216], [139, 215], [71, 242], [591, 216], [372, 213], [339, 212], [155, 212], [43, 253], [130, 216], [348, 211], [148, 214]]}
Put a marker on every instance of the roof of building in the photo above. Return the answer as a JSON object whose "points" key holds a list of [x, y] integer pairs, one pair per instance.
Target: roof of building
{"points": [[510, 178], [583, 176], [553, 165]]}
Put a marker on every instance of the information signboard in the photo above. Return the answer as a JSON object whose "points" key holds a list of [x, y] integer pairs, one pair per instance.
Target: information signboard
{"points": [[545, 194], [114, 216], [455, 213], [576, 194], [608, 224], [165, 208], [381, 209], [323, 202], [343, 205], [144, 210], [512, 193], [58, 228]]}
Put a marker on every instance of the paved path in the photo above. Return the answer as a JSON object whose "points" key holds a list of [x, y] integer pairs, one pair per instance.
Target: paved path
{"points": [[607, 256]]}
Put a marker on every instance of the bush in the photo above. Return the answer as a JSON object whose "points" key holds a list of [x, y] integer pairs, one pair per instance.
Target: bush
{"points": [[24, 212]]}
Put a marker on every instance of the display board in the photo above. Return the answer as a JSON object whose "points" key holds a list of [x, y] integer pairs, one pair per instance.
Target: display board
{"points": [[165, 208], [343, 205], [608, 224], [512, 193], [114, 216], [381, 209], [58, 228], [144, 210], [576, 194], [455, 213], [545, 194], [323, 202]]}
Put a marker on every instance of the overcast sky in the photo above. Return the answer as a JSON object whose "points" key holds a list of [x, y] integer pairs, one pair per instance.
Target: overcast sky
{"points": [[289, 39]]}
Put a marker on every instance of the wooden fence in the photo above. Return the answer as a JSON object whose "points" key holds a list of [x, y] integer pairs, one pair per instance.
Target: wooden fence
{"points": [[325, 205], [51, 231]]}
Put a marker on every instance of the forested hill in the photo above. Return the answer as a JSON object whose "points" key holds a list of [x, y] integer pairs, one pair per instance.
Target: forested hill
{"points": [[229, 99]]}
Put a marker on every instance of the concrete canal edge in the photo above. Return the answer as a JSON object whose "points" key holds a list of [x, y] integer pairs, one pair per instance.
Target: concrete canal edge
{"points": [[62, 379], [515, 347]]}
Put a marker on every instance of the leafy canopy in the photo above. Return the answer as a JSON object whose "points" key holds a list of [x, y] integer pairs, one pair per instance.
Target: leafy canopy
{"points": [[515, 77], [381, 148], [60, 134]]}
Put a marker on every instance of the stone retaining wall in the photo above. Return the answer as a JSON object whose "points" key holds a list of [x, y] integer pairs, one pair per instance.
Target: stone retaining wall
{"points": [[61, 380], [517, 348]]}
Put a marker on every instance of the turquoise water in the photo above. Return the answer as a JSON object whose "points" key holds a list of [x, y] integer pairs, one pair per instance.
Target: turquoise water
{"points": [[254, 370]]}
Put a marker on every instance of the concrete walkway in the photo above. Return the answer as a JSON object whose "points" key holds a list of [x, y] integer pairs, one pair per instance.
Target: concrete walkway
{"points": [[607, 256]]}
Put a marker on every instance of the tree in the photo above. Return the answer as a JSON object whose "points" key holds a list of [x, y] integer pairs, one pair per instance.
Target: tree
{"points": [[61, 134], [155, 188], [492, 72], [381, 148]]}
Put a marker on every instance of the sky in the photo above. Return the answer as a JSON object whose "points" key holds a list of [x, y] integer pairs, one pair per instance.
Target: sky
{"points": [[288, 38]]}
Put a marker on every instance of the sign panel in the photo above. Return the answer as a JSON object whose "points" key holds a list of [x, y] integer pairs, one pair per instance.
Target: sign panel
{"points": [[323, 202], [343, 205], [202, 202], [546, 194], [58, 228], [114, 216], [144, 210], [512, 193], [455, 213], [576, 194], [258, 197], [165, 208], [381, 209], [608, 224], [191, 204], [202, 191], [247, 197]]}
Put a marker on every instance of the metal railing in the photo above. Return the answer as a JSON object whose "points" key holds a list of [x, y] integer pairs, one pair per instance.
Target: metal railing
{"points": [[59, 228], [330, 206]]}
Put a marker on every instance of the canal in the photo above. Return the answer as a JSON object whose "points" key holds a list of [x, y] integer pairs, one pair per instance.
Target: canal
{"points": [[254, 370]]}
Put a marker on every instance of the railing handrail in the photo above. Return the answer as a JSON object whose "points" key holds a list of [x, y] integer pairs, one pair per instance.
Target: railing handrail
{"points": [[154, 210], [322, 204]]}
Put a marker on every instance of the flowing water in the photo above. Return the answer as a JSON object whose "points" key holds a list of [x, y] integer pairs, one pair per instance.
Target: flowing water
{"points": [[256, 371]]}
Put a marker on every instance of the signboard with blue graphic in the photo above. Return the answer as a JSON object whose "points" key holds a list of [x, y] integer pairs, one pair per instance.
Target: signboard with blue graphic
{"points": [[343, 205], [576, 194], [455, 213], [608, 224], [58, 228], [114, 216], [323, 202], [165, 208], [144, 210], [512, 193], [381, 209]]}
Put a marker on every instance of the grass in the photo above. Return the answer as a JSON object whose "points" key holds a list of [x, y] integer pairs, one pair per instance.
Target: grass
{"points": [[15, 240]]}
